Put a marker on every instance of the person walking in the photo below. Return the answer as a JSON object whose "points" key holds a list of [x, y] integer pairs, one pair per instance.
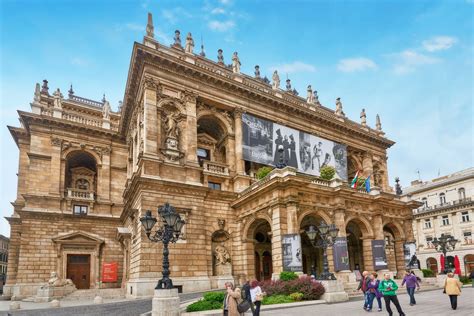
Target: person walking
{"points": [[412, 284], [388, 287], [257, 296], [452, 287], [231, 300], [373, 292], [247, 296], [363, 287]]}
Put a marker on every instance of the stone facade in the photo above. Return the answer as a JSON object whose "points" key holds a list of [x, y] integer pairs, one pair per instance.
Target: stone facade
{"points": [[448, 208], [86, 176]]}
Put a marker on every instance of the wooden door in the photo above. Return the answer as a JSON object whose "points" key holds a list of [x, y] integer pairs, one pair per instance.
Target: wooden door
{"points": [[79, 270], [267, 265]]}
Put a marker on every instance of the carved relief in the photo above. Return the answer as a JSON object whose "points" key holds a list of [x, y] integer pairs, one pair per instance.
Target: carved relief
{"points": [[55, 141]]}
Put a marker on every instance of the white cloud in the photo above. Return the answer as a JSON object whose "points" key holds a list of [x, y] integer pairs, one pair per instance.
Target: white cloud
{"points": [[409, 60], [294, 67], [218, 11], [174, 15], [439, 43], [163, 37], [221, 26], [224, 2], [135, 27], [355, 64], [78, 61]]}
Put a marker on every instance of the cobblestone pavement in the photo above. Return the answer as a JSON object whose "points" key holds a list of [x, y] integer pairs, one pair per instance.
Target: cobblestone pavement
{"points": [[429, 303], [122, 308]]}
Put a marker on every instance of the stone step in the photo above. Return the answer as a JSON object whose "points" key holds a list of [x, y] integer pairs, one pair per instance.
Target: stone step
{"points": [[90, 294]]}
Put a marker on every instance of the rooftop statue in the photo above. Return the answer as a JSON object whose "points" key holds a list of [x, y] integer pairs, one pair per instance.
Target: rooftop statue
{"points": [[257, 71], [235, 63], [189, 44], [288, 85], [57, 99], [220, 57], [378, 125], [177, 39], [309, 95], [275, 80], [106, 110], [363, 118], [339, 111], [37, 97], [315, 96]]}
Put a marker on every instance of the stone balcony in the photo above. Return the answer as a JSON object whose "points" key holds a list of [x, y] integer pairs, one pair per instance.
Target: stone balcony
{"points": [[215, 168], [461, 202], [80, 195]]}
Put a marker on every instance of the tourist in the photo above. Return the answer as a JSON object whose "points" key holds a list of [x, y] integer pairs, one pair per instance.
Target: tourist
{"points": [[231, 299], [257, 296], [247, 296], [412, 284], [388, 287], [363, 287], [452, 287], [373, 292]]}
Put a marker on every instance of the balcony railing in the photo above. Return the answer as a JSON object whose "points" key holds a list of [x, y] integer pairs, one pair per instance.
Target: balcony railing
{"points": [[78, 194], [424, 209], [216, 168]]}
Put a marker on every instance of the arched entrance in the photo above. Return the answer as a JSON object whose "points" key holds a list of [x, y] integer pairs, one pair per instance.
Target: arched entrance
{"points": [[312, 257], [432, 265], [354, 246], [468, 264], [259, 233]]}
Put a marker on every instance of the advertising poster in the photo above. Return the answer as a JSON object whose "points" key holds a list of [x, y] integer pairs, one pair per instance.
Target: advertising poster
{"points": [[378, 253], [411, 260], [109, 272], [305, 152], [292, 261], [340, 254]]}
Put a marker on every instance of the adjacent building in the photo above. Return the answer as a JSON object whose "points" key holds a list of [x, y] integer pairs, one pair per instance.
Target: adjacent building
{"points": [[193, 132], [447, 208]]}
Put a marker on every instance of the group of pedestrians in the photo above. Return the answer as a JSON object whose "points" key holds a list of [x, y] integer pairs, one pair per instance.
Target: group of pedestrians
{"points": [[251, 292]]}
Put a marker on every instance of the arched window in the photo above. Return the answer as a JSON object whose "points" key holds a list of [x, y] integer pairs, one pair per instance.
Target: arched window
{"points": [[442, 198], [462, 193]]}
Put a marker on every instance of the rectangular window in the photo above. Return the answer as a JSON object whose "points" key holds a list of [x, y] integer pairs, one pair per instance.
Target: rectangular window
{"points": [[80, 210], [445, 220], [428, 242], [465, 217], [467, 237], [214, 185], [427, 223]]}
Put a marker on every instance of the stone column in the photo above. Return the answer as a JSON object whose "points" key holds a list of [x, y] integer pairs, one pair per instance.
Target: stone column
{"points": [[292, 218], [191, 133], [230, 153], [399, 256], [103, 178], [279, 228], [367, 253], [150, 120], [239, 161], [340, 222], [55, 171]]}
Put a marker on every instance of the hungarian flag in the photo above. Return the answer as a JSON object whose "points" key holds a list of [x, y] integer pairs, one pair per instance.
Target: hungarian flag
{"points": [[367, 184], [354, 181]]}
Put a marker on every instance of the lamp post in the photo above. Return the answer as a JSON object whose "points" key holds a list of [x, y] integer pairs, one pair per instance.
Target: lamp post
{"points": [[444, 244], [170, 231], [328, 234]]}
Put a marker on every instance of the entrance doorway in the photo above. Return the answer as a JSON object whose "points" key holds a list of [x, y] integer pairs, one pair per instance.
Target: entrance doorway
{"points": [[79, 270], [354, 246]]}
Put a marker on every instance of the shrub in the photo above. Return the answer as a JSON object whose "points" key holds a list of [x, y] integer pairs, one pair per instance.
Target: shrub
{"points": [[427, 273], [327, 173], [203, 305], [296, 296], [214, 296], [288, 276], [276, 299], [312, 290], [465, 279], [262, 172]]}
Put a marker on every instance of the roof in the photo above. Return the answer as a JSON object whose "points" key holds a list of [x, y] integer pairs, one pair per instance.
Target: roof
{"points": [[440, 181]]}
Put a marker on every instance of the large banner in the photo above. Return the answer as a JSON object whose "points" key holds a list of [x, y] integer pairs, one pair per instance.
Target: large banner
{"points": [[109, 271], [340, 254], [291, 244], [305, 152], [378, 253], [411, 260]]}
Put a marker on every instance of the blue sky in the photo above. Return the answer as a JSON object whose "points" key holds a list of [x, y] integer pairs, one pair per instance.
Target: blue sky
{"points": [[409, 61]]}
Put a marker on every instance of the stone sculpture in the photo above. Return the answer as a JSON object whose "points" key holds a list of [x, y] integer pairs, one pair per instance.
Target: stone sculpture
{"points": [[363, 118], [55, 281], [257, 71], [172, 125], [177, 39], [106, 110], [275, 80], [37, 97], [222, 255], [57, 99], [235, 63], [288, 85], [315, 96], [220, 57], [378, 125], [339, 111], [309, 96], [189, 44]]}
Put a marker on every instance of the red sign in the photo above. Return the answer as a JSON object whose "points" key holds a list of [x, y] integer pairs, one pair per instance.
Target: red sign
{"points": [[109, 272]]}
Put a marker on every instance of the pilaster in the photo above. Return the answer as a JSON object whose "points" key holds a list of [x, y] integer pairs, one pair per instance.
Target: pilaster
{"points": [[151, 123]]}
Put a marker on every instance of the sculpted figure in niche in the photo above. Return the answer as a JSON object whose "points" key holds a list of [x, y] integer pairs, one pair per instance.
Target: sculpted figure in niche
{"points": [[222, 255], [172, 125], [82, 184], [55, 281]]}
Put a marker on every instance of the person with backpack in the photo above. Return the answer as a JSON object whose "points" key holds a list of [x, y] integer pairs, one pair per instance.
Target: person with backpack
{"points": [[363, 287], [412, 284], [373, 292], [247, 296], [388, 288]]}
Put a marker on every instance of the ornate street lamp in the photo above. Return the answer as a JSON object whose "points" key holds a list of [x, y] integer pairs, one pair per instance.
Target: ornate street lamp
{"points": [[444, 244], [328, 234], [170, 231]]}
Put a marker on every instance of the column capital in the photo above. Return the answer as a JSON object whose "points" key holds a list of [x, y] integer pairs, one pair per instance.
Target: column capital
{"points": [[238, 111]]}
